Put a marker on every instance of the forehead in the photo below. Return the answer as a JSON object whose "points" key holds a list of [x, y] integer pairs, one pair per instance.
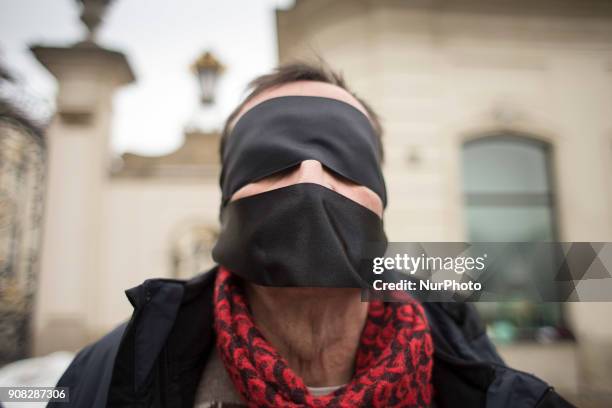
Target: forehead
{"points": [[302, 88]]}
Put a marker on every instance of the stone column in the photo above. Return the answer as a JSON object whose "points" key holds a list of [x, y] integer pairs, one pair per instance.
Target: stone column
{"points": [[78, 148]]}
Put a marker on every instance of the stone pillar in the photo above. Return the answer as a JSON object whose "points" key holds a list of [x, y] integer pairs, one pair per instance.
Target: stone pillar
{"points": [[78, 148]]}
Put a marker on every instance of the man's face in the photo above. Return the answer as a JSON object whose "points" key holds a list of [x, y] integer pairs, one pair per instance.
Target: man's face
{"points": [[310, 171]]}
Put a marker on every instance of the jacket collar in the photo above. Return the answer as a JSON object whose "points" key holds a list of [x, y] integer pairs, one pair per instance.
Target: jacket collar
{"points": [[167, 339], [171, 334]]}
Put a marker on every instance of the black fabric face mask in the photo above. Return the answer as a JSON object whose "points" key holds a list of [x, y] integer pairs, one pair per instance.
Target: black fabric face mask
{"points": [[303, 235]]}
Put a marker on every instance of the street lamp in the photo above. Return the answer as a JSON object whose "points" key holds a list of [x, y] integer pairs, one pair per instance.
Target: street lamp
{"points": [[208, 69]]}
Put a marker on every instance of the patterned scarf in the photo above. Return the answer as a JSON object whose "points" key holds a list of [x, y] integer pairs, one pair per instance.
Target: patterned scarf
{"points": [[393, 362]]}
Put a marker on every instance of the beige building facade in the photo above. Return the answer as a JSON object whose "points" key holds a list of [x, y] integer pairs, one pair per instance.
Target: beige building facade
{"points": [[447, 74]]}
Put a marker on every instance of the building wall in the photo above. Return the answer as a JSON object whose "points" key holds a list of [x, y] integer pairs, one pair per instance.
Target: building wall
{"points": [[145, 217], [441, 73]]}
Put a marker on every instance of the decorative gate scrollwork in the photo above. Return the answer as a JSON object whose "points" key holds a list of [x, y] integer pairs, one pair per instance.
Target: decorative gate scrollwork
{"points": [[22, 174]]}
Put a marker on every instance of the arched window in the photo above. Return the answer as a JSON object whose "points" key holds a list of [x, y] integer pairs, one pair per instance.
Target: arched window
{"points": [[508, 189], [509, 197]]}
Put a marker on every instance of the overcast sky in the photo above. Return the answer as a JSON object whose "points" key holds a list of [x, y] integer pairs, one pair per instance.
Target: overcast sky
{"points": [[161, 38]]}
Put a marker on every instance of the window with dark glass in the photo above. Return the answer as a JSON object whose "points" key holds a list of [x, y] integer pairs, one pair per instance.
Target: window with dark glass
{"points": [[509, 197]]}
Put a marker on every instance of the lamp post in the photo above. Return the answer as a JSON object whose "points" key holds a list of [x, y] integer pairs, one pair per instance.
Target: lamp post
{"points": [[207, 68]]}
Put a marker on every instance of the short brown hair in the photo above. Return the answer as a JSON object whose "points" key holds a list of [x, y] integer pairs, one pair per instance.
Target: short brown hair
{"points": [[300, 71]]}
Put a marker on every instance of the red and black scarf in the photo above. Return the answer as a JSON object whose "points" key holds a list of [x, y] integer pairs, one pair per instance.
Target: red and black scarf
{"points": [[393, 362]]}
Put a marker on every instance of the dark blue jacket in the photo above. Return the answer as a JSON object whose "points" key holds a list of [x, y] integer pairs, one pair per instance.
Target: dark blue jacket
{"points": [[156, 359]]}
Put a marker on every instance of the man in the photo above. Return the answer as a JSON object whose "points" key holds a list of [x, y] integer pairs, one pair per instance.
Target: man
{"points": [[280, 322]]}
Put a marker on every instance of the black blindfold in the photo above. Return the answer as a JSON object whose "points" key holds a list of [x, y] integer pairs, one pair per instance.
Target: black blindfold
{"points": [[282, 132]]}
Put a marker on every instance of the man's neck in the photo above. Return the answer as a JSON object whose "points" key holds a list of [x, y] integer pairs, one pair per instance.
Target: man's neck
{"points": [[317, 330]]}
